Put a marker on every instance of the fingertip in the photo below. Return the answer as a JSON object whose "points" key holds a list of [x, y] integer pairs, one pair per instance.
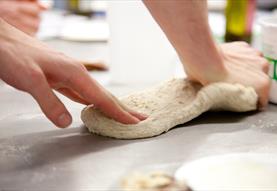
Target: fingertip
{"points": [[42, 6], [64, 120], [264, 92], [140, 116], [261, 106], [135, 120], [263, 102], [120, 115], [128, 119]]}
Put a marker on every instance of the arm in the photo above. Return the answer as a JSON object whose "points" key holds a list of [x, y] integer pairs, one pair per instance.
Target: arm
{"points": [[186, 25], [29, 65]]}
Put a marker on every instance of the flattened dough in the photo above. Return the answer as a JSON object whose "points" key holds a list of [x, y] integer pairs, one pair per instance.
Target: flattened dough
{"points": [[172, 103]]}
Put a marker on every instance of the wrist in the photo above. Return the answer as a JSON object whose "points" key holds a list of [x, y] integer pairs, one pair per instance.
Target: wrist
{"points": [[206, 68], [214, 70]]}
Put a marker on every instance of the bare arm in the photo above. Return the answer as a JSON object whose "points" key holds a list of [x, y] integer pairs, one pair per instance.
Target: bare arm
{"points": [[186, 26], [185, 22]]}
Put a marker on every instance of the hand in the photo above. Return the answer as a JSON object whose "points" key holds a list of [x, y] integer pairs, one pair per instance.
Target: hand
{"points": [[241, 64], [186, 26], [22, 14], [31, 66]]}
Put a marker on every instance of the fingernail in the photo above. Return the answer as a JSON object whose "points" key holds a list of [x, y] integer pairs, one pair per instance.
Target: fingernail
{"points": [[143, 115], [64, 120], [136, 120]]}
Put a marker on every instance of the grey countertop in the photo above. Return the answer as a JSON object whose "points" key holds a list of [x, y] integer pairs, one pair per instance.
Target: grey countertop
{"points": [[34, 155]]}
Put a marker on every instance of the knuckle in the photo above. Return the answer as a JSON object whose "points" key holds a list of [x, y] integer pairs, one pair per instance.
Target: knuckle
{"points": [[73, 65], [264, 63], [101, 104], [259, 53], [74, 72], [266, 68], [36, 77], [80, 67], [242, 43]]}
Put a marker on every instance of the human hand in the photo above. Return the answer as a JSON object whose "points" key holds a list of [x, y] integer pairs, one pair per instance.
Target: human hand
{"points": [[241, 64], [31, 66], [22, 14]]}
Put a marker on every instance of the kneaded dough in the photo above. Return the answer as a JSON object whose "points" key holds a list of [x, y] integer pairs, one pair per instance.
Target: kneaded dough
{"points": [[172, 103]]}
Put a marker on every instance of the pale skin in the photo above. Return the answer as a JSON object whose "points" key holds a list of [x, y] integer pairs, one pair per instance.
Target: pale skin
{"points": [[186, 26], [22, 14], [31, 66]]}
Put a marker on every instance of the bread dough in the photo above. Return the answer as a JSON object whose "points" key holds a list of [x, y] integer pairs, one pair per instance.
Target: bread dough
{"points": [[172, 103]]}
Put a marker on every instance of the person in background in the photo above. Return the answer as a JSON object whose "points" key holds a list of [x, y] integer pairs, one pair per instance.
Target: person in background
{"points": [[22, 14], [29, 65]]}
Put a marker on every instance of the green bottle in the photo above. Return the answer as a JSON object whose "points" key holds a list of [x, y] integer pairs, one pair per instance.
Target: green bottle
{"points": [[239, 19]]}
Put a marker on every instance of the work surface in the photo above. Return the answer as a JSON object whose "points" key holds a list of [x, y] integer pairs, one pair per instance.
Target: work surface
{"points": [[36, 156]]}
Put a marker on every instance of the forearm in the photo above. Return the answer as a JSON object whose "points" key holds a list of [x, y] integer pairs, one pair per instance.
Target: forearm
{"points": [[186, 25]]}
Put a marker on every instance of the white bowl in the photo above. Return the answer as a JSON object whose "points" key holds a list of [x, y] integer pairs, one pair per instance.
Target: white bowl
{"points": [[236, 172]]}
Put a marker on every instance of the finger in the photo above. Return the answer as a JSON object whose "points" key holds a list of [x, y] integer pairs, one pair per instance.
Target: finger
{"points": [[75, 76], [21, 25], [93, 93], [265, 65], [72, 95], [42, 6], [259, 63], [39, 4], [263, 93], [259, 53], [29, 8], [51, 106], [31, 25], [27, 30], [138, 115], [249, 51], [242, 43], [28, 25]]}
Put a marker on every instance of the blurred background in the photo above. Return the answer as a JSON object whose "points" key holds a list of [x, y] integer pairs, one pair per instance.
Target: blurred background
{"points": [[119, 42]]}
